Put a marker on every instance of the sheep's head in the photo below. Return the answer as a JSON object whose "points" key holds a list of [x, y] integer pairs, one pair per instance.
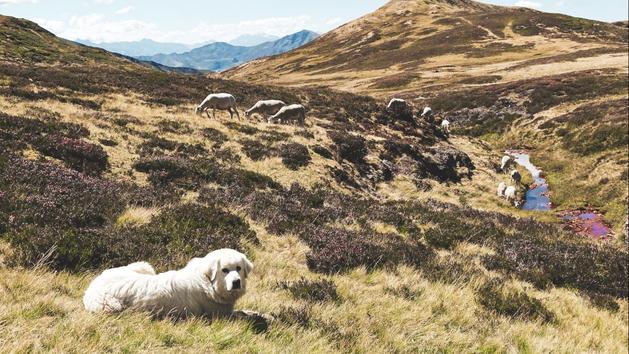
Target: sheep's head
{"points": [[198, 110]]}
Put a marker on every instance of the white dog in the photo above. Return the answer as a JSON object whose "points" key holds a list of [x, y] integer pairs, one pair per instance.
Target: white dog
{"points": [[207, 286]]}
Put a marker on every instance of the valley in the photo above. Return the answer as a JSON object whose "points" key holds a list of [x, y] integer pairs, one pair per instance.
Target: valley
{"points": [[370, 230]]}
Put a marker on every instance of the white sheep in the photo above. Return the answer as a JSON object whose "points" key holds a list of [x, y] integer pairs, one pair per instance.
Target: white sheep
{"points": [[293, 112], [220, 101], [397, 104], [516, 176], [506, 161], [265, 108], [427, 112], [445, 125], [501, 189], [511, 195]]}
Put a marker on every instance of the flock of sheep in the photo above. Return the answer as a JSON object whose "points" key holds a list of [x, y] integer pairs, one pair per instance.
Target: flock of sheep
{"points": [[509, 192], [275, 110]]}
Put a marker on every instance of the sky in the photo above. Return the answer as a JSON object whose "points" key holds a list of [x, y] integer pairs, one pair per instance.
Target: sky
{"points": [[199, 21]]}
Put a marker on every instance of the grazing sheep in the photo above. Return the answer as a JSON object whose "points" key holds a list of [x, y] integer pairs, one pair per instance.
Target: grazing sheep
{"points": [[506, 161], [293, 112], [220, 101], [516, 176], [445, 125], [397, 104], [265, 108], [427, 112], [511, 196], [501, 189]]}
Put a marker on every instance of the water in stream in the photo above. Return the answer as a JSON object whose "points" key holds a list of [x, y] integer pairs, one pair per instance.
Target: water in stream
{"points": [[537, 197], [584, 222]]}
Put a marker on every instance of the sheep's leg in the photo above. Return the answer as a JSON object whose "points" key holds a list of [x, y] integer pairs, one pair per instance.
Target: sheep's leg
{"points": [[214, 113], [208, 114], [237, 114]]}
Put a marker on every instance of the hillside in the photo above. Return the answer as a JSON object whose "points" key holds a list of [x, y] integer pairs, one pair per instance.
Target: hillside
{"points": [[371, 231], [220, 56], [471, 62], [425, 45]]}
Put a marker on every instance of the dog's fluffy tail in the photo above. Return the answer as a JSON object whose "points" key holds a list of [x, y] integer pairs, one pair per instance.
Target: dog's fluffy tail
{"points": [[142, 268]]}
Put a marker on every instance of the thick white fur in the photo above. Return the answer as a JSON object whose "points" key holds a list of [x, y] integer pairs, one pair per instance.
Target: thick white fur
{"points": [[501, 189], [506, 161], [206, 286], [295, 112], [268, 107], [220, 101]]}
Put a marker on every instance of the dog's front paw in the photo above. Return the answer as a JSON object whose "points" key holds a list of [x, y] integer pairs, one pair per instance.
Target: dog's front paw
{"points": [[260, 322]]}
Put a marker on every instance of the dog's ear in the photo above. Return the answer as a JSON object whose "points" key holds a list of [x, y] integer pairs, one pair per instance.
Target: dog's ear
{"points": [[215, 265], [247, 266]]}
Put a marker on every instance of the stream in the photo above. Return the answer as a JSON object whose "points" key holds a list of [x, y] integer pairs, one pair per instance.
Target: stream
{"points": [[583, 222]]}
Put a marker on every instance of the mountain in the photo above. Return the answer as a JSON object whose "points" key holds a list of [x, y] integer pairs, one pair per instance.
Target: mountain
{"points": [[221, 56], [418, 45], [140, 48], [250, 40]]}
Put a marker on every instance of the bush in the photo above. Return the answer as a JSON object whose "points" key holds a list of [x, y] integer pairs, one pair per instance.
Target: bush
{"points": [[242, 128], [173, 126], [294, 316], [323, 152], [294, 155], [349, 147], [44, 194], [256, 150], [336, 250], [314, 291], [496, 297], [215, 135], [82, 156]]}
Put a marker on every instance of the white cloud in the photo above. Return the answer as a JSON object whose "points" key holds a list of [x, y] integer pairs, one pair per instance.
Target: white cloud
{"points": [[124, 10], [527, 3], [98, 28], [14, 2], [560, 3]]}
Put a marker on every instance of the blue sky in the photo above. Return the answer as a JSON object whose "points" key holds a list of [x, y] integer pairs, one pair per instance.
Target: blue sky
{"points": [[196, 21]]}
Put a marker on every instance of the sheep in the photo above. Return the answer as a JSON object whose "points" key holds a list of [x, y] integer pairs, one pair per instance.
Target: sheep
{"points": [[397, 104], [220, 101], [268, 108], [445, 125], [427, 112], [506, 161], [516, 176], [511, 196], [293, 112], [501, 189]]}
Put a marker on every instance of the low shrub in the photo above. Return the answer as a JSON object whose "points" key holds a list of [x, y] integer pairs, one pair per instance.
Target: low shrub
{"points": [[215, 135], [294, 316], [322, 151], [311, 290], [242, 128], [494, 296], [294, 155], [336, 250], [350, 147], [256, 150]]}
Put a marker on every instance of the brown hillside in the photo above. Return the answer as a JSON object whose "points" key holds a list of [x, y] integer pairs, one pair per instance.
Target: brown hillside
{"points": [[421, 44]]}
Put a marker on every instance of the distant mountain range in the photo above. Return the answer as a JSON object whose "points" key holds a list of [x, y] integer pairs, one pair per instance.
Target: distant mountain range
{"points": [[221, 56], [249, 40], [142, 47]]}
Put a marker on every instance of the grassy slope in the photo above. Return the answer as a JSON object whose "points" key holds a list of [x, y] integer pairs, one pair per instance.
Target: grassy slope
{"points": [[395, 305], [429, 49]]}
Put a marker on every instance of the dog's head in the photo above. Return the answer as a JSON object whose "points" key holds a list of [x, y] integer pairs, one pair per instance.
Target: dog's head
{"points": [[227, 271]]}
